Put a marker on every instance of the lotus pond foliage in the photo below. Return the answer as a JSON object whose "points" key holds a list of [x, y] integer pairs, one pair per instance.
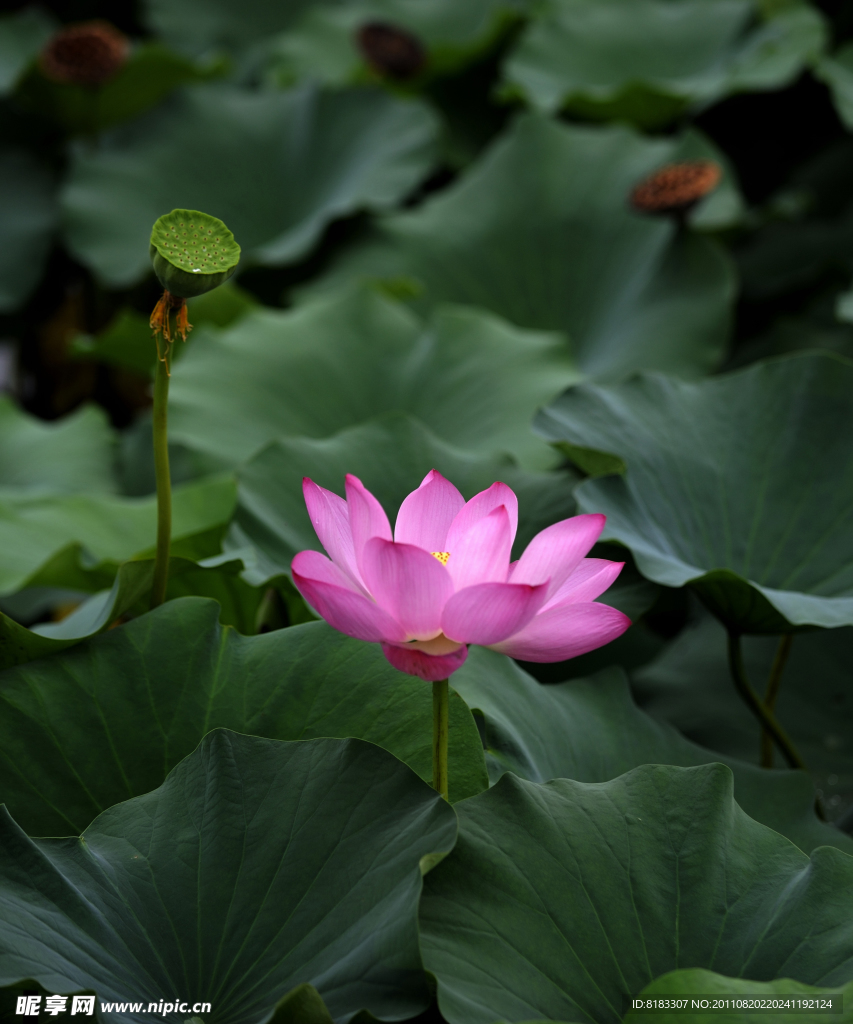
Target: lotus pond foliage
{"points": [[426, 510]]}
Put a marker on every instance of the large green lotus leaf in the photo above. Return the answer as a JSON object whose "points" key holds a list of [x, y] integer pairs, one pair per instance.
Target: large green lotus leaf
{"points": [[221, 578], [323, 44], [151, 73], [693, 982], [197, 26], [740, 485], [305, 156], [304, 1005], [109, 718], [591, 730], [648, 61], [128, 596], [36, 531], [391, 456], [690, 685], [69, 579], [560, 898], [28, 219], [22, 35], [74, 454], [836, 71], [539, 230], [474, 380], [257, 866], [19, 645]]}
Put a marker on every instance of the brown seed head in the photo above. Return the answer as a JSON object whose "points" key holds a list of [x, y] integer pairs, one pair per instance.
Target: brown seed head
{"points": [[676, 187], [90, 53], [391, 51]]}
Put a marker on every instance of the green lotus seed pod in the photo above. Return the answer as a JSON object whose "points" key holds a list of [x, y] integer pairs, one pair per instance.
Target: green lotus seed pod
{"points": [[192, 252]]}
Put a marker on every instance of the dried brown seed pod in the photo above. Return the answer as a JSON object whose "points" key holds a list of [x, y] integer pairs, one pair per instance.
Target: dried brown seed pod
{"points": [[391, 51], [676, 187], [89, 53]]}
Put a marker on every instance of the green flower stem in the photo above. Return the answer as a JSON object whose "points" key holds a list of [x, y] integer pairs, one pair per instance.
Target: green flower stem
{"points": [[756, 705], [772, 692], [164, 483], [440, 703]]}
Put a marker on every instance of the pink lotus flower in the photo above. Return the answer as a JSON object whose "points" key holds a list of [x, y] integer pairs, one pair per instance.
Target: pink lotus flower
{"points": [[445, 579]]}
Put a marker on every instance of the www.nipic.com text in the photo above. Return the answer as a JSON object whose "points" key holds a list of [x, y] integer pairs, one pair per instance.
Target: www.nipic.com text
{"points": [[31, 1006]]}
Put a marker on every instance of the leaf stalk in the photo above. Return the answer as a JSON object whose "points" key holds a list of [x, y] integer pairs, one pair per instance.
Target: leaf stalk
{"points": [[765, 716], [772, 692]]}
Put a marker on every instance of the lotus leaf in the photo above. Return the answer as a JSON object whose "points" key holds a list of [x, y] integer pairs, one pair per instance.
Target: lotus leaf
{"points": [[106, 720], [473, 379], [307, 156], [22, 35], [151, 73], [539, 230], [197, 26], [590, 730], [257, 866], [560, 898], [71, 455], [238, 603], [38, 532], [740, 485], [648, 61], [693, 982], [323, 43], [836, 70]]}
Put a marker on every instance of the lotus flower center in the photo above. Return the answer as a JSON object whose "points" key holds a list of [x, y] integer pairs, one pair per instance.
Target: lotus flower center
{"points": [[437, 645], [442, 556]]}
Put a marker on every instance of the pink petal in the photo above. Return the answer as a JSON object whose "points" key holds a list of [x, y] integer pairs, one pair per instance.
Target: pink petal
{"points": [[489, 612], [556, 551], [565, 632], [312, 565], [591, 578], [431, 667], [329, 592], [481, 554], [409, 584], [426, 514], [330, 519], [479, 507], [366, 518]]}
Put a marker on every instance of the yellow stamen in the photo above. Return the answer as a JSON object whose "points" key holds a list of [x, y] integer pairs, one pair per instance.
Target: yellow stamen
{"points": [[161, 326], [183, 323], [442, 556]]}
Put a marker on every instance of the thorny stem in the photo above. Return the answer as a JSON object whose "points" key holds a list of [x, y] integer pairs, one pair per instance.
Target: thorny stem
{"points": [[772, 692], [440, 702], [764, 715]]}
